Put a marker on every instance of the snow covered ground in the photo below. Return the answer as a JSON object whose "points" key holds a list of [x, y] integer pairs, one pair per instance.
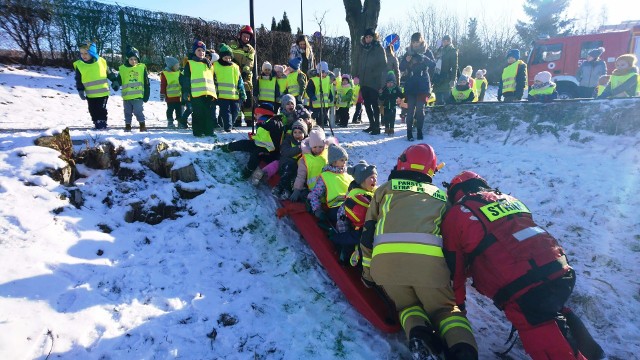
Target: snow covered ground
{"points": [[227, 279]]}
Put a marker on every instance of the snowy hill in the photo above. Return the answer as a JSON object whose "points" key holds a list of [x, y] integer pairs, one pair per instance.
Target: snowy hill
{"points": [[226, 279]]}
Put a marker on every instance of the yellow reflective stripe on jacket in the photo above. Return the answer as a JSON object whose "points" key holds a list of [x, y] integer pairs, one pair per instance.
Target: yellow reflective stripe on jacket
{"points": [[337, 186], [366, 261], [173, 83], [326, 90], [499, 209], [292, 84], [545, 91], [460, 95], [201, 80], [93, 77], [353, 196], [132, 81], [227, 78], [416, 238], [407, 248], [314, 167], [413, 311], [454, 322], [267, 89], [509, 77], [383, 214]]}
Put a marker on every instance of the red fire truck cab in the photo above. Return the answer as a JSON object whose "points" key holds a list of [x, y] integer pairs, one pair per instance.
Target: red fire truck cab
{"points": [[562, 56]]}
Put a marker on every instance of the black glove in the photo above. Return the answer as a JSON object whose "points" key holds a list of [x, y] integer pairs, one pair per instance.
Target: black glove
{"points": [[82, 95], [321, 215], [368, 283], [115, 85], [296, 195], [185, 98]]}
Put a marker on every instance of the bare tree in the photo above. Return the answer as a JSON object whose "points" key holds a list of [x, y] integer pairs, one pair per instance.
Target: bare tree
{"points": [[360, 17], [26, 24]]}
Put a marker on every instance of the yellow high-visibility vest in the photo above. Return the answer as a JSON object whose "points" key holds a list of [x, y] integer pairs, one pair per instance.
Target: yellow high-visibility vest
{"points": [[94, 77], [293, 87], [356, 93], [337, 186], [227, 78], [314, 167], [460, 96], [617, 80], [132, 81], [201, 80], [509, 76], [326, 90], [282, 85], [546, 91], [267, 89], [477, 87], [342, 91], [173, 83]]}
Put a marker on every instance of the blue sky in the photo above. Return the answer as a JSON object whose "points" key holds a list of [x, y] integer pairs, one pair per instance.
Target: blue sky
{"points": [[237, 11]]}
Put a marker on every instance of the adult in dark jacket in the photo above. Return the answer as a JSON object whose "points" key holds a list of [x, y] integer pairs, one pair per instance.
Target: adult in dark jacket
{"points": [[446, 70], [417, 83], [589, 73], [371, 70], [514, 78]]}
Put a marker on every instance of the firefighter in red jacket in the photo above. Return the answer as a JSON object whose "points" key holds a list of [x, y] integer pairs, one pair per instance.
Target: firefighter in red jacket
{"points": [[402, 252], [491, 237]]}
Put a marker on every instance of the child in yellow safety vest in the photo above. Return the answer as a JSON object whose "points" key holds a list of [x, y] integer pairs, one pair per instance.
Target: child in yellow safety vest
{"points": [[480, 84], [91, 74], [296, 80], [352, 212], [320, 93], [267, 90], [230, 86], [462, 92], [290, 153], [603, 81], [281, 85], [344, 101], [170, 90], [133, 79], [624, 80], [543, 89], [332, 185], [310, 164], [198, 87], [358, 101]]}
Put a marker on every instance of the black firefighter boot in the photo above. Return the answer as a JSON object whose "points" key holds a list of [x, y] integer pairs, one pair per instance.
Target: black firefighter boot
{"points": [[585, 342], [143, 127]]}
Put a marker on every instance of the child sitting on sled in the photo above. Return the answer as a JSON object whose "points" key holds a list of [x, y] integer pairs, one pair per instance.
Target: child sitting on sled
{"points": [[351, 214], [311, 163], [332, 185], [290, 153]]}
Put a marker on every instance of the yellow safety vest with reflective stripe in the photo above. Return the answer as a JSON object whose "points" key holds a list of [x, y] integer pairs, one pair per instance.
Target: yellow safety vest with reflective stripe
{"points": [[509, 77], [267, 89], [617, 80], [477, 87], [460, 96], [337, 186], [262, 138], [227, 78], [293, 87], [314, 167], [132, 81], [282, 85], [600, 89], [353, 196], [342, 91], [173, 83], [201, 80], [93, 77], [356, 93], [326, 90], [544, 91]]}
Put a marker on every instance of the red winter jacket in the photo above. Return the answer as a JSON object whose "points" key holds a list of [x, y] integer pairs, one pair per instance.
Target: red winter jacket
{"points": [[492, 238], [163, 89]]}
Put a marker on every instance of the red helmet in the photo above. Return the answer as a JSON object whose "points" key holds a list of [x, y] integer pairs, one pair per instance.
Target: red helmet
{"points": [[246, 29], [420, 158], [457, 182]]}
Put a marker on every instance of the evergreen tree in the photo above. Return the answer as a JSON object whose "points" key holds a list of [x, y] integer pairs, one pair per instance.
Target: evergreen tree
{"points": [[548, 18], [274, 27], [470, 48], [284, 25]]}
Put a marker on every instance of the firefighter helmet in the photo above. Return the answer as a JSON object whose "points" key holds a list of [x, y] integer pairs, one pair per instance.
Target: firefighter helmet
{"points": [[420, 158], [465, 181], [246, 29]]}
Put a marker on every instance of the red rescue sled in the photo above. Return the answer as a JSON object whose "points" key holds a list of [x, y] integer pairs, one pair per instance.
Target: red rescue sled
{"points": [[371, 303]]}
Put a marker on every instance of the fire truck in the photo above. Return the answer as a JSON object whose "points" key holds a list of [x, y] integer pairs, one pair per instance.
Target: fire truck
{"points": [[562, 56]]}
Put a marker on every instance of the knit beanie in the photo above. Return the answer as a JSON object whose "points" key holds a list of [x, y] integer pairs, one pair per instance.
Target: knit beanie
{"points": [[198, 44], [391, 77], [131, 51], [302, 112], [346, 76], [370, 32], [299, 125], [361, 171], [323, 66], [629, 59], [287, 98], [266, 66], [170, 62], [278, 68], [295, 63], [92, 49], [514, 53], [481, 73], [446, 37], [543, 76], [316, 137], [336, 152], [225, 50], [595, 53], [462, 78]]}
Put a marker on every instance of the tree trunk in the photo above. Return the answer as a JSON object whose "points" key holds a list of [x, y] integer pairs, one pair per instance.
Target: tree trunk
{"points": [[359, 18]]}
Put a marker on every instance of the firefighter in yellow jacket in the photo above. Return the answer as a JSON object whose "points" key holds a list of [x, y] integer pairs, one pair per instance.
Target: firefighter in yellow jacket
{"points": [[402, 252], [244, 56]]}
